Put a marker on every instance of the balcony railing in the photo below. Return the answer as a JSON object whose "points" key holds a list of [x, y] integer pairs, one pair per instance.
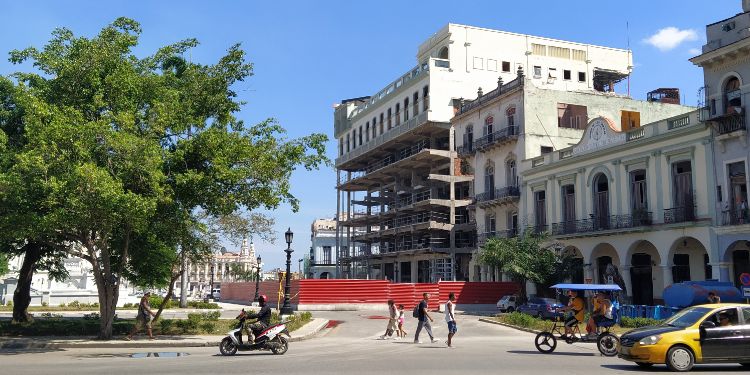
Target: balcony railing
{"points": [[501, 135], [731, 123], [734, 217], [499, 193], [465, 150], [597, 223], [679, 214], [422, 217], [469, 105], [508, 233]]}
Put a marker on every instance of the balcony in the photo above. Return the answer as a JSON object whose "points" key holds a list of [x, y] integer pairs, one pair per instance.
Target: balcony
{"points": [[679, 215], [498, 196], [498, 137], [466, 150], [509, 233], [733, 217], [600, 223], [732, 121], [476, 103]]}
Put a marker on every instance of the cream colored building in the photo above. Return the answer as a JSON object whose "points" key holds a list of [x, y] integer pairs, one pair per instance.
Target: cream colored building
{"points": [[520, 120], [725, 60], [220, 269], [397, 181], [639, 200]]}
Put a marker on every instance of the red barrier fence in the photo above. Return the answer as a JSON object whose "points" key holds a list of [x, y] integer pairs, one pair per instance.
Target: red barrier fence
{"points": [[369, 292]]}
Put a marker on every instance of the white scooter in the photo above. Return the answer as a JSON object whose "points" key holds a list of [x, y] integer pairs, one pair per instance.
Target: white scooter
{"points": [[272, 338]]}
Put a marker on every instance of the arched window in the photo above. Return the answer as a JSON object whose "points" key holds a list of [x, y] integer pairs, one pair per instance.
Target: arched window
{"points": [[510, 113], [469, 137], [489, 179], [732, 94], [415, 103], [489, 123], [367, 132], [347, 143], [397, 115], [511, 173], [406, 109], [443, 54], [374, 127], [601, 202]]}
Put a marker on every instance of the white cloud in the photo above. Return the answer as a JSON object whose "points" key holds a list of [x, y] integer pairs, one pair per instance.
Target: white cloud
{"points": [[695, 51], [670, 37]]}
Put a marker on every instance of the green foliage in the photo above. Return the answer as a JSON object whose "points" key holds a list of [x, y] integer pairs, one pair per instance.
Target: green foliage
{"points": [[3, 264], [61, 327], [93, 315], [203, 305], [9, 303], [45, 304], [121, 159], [522, 320], [628, 322]]}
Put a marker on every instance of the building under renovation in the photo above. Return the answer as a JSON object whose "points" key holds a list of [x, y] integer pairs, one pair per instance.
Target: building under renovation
{"points": [[402, 198]]}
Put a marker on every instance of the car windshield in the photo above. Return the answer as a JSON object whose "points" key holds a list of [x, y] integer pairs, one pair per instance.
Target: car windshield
{"points": [[687, 317]]}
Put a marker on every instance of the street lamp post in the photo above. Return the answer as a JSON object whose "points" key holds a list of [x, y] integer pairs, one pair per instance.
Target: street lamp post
{"points": [[212, 280], [299, 267], [286, 309], [257, 279]]}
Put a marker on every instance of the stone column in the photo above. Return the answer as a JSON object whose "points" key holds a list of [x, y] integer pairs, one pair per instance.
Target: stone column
{"points": [[625, 274], [721, 271], [666, 271]]}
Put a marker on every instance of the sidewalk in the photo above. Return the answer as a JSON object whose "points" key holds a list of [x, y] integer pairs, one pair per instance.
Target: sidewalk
{"points": [[306, 332]]}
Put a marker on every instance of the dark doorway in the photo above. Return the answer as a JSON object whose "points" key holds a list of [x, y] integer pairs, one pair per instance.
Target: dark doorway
{"points": [[577, 271], [741, 259], [601, 265], [423, 271], [681, 268], [642, 279], [601, 202], [388, 271], [405, 269]]}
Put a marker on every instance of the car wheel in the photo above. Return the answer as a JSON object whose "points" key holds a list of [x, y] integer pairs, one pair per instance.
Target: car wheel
{"points": [[545, 342], [607, 344], [745, 364], [644, 364], [680, 358], [509, 310]]}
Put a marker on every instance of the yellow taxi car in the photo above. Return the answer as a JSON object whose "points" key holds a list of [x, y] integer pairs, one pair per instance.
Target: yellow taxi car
{"points": [[715, 333]]}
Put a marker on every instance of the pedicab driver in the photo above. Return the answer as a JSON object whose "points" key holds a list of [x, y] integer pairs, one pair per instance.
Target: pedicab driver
{"points": [[577, 305]]}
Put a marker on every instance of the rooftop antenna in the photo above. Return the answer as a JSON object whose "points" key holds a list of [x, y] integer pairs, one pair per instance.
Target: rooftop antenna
{"points": [[627, 36]]}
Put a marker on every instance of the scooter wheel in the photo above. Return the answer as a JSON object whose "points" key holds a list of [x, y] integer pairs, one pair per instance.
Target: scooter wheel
{"points": [[227, 347], [283, 345]]}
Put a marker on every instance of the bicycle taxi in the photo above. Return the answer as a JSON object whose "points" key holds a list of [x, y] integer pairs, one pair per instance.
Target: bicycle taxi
{"points": [[606, 342]]}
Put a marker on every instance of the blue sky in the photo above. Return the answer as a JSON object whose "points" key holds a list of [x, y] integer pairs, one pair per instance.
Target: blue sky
{"points": [[310, 55]]}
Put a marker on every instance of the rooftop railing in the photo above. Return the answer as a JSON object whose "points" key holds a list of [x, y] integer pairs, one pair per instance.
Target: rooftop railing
{"points": [[484, 98]]}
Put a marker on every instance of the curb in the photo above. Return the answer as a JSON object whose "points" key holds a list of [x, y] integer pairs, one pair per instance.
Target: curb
{"points": [[529, 330], [57, 343]]}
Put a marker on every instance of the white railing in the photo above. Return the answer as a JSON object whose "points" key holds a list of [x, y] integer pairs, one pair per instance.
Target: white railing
{"points": [[378, 141]]}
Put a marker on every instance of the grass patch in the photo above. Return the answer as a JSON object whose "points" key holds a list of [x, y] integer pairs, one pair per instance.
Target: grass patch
{"points": [[204, 323], [527, 321], [75, 306]]}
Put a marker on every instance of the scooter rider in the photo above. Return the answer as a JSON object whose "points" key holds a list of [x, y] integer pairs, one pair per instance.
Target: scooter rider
{"points": [[263, 317]]}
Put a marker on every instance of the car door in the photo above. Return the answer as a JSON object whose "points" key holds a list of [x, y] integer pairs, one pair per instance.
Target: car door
{"points": [[721, 343], [745, 325]]}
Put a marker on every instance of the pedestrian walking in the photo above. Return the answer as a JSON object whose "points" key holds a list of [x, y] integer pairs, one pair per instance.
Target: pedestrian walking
{"points": [[423, 317], [450, 317], [401, 318], [143, 319], [392, 318]]}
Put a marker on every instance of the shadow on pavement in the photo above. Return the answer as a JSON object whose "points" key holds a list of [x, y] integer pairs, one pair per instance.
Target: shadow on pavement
{"points": [[572, 354], [11, 351]]}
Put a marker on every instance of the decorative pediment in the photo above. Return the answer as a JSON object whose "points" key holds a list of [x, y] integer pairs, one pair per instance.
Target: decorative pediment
{"points": [[600, 133]]}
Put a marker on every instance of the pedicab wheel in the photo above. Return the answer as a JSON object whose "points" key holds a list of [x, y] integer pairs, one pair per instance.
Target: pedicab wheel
{"points": [[283, 346], [644, 364], [545, 342], [227, 347], [680, 358], [607, 344]]}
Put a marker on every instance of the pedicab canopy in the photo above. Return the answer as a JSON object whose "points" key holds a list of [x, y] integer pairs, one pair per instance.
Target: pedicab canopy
{"points": [[600, 287]]}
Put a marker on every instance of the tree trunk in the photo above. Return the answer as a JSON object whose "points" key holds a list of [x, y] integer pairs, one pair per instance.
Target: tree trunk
{"points": [[168, 296], [183, 281], [22, 294], [108, 295]]}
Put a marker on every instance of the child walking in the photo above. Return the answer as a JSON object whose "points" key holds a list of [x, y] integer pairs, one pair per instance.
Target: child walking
{"points": [[401, 333]]}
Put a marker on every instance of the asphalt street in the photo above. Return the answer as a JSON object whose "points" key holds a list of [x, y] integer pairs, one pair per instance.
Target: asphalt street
{"points": [[352, 346]]}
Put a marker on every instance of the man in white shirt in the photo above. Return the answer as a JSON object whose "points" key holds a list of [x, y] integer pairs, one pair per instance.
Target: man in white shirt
{"points": [[450, 317]]}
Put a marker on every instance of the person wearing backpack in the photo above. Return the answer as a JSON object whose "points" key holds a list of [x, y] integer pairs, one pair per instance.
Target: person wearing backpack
{"points": [[423, 316]]}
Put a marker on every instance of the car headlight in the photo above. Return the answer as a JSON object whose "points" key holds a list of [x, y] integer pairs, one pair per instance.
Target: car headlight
{"points": [[651, 340]]}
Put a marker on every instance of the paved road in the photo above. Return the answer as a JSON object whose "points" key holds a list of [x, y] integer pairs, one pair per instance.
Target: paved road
{"points": [[352, 346]]}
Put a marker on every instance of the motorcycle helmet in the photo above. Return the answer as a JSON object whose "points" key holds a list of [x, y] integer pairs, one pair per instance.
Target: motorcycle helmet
{"points": [[262, 298]]}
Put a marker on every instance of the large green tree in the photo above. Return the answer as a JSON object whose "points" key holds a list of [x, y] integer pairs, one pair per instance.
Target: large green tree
{"points": [[119, 152], [527, 257]]}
